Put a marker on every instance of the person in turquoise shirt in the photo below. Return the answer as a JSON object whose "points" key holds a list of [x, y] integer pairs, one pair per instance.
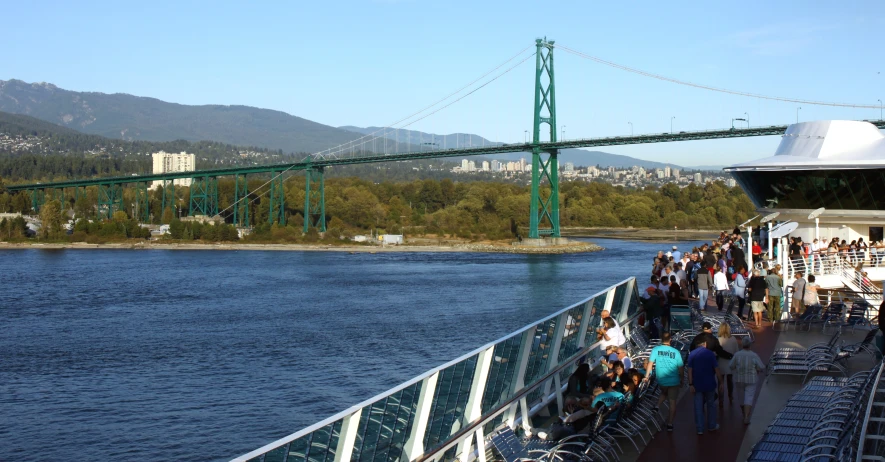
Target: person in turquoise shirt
{"points": [[668, 366], [611, 398]]}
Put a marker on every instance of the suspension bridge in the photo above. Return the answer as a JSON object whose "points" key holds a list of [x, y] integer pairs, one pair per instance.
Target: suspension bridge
{"points": [[544, 208]]}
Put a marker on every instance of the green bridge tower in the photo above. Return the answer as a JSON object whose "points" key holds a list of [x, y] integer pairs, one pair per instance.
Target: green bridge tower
{"points": [[544, 211]]}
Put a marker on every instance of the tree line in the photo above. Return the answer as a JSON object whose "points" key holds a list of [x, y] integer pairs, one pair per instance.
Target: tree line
{"points": [[493, 210]]}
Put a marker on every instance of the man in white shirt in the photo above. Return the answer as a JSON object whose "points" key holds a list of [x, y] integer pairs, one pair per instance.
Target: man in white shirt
{"points": [[677, 255], [814, 256], [680, 273]]}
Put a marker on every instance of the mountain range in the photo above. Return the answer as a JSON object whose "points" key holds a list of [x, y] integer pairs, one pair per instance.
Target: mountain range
{"points": [[127, 117]]}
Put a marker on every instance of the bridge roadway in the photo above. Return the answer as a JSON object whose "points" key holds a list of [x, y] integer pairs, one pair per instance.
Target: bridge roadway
{"points": [[432, 154]]}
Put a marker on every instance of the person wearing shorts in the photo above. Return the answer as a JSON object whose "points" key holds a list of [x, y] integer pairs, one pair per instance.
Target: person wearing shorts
{"points": [[668, 366], [758, 291], [746, 365]]}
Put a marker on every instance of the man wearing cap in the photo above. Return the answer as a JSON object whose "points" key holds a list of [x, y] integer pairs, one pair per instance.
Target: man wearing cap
{"points": [[677, 255], [707, 338], [745, 365]]}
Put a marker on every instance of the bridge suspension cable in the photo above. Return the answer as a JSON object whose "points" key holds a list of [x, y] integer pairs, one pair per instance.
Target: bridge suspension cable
{"points": [[393, 126], [708, 87], [344, 147]]}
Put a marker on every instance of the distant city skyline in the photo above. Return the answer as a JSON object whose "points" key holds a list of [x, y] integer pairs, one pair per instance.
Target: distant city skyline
{"points": [[372, 63]]}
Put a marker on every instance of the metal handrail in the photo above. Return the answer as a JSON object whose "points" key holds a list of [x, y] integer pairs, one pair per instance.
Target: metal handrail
{"points": [[341, 415], [457, 437], [866, 420]]}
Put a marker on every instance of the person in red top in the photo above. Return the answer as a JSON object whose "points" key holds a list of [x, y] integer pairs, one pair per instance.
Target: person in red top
{"points": [[757, 252]]}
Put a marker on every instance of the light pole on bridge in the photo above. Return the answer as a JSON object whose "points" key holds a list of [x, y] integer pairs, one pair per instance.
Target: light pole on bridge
{"points": [[880, 109], [671, 124], [748, 119], [526, 139], [631, 128], [562, 133], [797, 113]]}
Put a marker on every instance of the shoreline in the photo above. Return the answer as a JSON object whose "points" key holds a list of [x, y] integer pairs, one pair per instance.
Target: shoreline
{"points": [[577, 247], [642, 234]]}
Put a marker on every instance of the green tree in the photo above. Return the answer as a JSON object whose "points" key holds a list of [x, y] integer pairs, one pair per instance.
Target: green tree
{"points": [[51, 218]]}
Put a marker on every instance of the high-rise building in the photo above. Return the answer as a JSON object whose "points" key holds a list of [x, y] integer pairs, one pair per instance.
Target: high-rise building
{"points": [[698, 178], [166, 162], [730, 183], [676, 173], [667, 172], [465, 165], [471, 166], [496, 166], [486, 166], [569, 167]]}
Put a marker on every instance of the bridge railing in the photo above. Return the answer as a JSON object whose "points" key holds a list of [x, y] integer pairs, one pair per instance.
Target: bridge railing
{"points": [[445, 412]]}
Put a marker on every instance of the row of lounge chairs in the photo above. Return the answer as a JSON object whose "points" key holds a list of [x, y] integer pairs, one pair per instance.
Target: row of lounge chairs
{"points": [[824, 358], [822, 421], [599, 442], [834, 315]]}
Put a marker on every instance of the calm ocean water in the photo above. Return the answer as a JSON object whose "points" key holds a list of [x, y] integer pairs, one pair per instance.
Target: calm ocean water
{"points": [[205, 355]]}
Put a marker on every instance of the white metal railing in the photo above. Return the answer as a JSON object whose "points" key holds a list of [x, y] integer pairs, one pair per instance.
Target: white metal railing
{"points": [[445, 412], [877, 402]]}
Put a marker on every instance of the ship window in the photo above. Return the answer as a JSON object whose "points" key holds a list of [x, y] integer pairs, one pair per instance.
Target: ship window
{"points": [[811, 189]]}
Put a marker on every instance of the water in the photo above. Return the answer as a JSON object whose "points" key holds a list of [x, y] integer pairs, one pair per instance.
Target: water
{"points": [[172, 355]]}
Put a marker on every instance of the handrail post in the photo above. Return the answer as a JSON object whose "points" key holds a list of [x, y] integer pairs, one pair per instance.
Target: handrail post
{"points": [[473, 409], [414, 446], [347, 436], [522, 364]]}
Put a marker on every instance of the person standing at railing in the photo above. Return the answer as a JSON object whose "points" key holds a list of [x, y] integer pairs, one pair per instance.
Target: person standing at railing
{"points": [[795, 255], [814, 256], [757, 252], [775, 293], [874, 253], [861, 249], [852, 252]]}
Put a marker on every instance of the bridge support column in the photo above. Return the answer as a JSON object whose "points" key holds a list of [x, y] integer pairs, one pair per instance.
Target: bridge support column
{"points": [[38, 198], [204, 196], [58, 194], [142, 203], [315, 200], [277, 211], [110, 199], [241, 200], [544, 211], [168, 195]]}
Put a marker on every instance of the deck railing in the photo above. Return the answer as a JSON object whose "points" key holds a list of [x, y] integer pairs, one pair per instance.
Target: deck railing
{"points": [[445, 413]]}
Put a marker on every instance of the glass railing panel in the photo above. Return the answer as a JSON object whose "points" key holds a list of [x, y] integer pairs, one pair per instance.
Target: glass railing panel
{"points": [[539, 355], [635, 303], [570, 334], [595, 318], [449, 402], [385, 426], [502, 373], [277, 455], [323, 443], [618, 303]]}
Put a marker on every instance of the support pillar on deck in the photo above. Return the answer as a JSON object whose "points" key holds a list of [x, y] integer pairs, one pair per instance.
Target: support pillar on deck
{"points": [[544, 211], [277, 211], [241, 200], [314, 200]]}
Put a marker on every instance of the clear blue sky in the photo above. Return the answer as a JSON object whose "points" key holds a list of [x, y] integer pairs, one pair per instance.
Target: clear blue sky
{"points": [[373, 62]]}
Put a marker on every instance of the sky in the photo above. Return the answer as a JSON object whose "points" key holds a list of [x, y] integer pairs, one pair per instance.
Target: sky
{"points": [[372, 63]]}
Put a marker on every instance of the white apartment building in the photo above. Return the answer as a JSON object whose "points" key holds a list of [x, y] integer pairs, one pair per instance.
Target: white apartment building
{"points": [[166, 162], [698, 178]]}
